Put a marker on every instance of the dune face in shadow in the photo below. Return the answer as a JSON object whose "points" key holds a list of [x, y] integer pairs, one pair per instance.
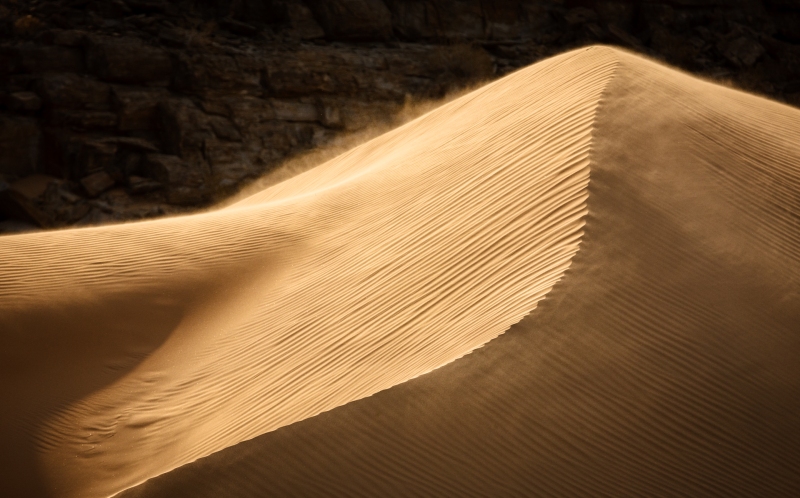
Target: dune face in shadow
{"points": [[664, 363], [44, 367], [373, 269]]}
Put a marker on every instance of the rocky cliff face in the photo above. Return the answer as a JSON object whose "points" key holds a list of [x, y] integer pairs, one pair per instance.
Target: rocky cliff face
{"points": [[124, 109]]}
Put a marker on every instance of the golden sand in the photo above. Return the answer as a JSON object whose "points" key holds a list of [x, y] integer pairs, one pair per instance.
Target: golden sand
{"points": [[659, 215]]}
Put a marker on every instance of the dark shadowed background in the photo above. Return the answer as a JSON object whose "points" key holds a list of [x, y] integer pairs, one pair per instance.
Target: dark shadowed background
{"points": [[115, 110]]}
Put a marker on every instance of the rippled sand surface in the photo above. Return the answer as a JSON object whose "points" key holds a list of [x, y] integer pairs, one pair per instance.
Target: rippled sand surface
{"points": [[580, 280]]}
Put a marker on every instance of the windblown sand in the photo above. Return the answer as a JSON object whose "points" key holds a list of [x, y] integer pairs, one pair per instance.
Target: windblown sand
{"points": [[626, 236]]}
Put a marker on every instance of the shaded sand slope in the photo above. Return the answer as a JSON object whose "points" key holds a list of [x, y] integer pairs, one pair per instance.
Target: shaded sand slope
{"points": [[130, 350], [664, 363]]}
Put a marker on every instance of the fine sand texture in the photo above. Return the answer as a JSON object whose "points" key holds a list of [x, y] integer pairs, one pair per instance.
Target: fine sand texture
{"points": [[621, 238]]}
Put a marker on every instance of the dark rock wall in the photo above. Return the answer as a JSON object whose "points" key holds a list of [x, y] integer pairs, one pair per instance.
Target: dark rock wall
{"points": [[135, 108]]}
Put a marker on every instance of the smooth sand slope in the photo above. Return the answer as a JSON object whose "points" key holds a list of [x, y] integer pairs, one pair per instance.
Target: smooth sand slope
{"points": [[131, 350], [665, 362]]}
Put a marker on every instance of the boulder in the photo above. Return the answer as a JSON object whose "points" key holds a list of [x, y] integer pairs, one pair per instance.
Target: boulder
{"points": [[186, 196], [67, 214], [229, 162], [248, 112], [71, 91], [215, 104], [353, 19], [184, 184], [81, 119], [127, 60], [301, 135], [172, 171], [137, 107], [442, 19], [508, 19], [63, 194], [128, 164], [140, 185], [331, 117], [301, 21], [49, 201], [742, 51], [312, 70], [288, 110], [504, 19], [122, 156], [462, 20], [44, 59], [273, 137], [20, 141], [130, 143], [413, 20], [97, 183], [224, 129], [33, 187], [93, 156], [16, 206], [183, 129], [198, 72]]}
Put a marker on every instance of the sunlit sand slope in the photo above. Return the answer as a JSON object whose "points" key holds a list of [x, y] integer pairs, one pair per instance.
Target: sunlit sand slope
{"points": [[130, 350], [666, 362]]}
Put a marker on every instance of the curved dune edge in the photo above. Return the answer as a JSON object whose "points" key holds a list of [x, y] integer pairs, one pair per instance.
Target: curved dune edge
{"points": [[134, 349], [664, 364]]}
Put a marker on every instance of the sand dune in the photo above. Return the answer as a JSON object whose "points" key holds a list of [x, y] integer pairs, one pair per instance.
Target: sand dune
{"points": [[302, 341]]}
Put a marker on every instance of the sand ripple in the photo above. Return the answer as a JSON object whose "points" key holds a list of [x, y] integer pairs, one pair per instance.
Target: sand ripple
{"points": [[131, 350]]}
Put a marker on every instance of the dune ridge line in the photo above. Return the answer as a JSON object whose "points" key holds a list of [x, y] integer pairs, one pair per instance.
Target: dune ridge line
{"points": [[664, 363], [139, 348]]}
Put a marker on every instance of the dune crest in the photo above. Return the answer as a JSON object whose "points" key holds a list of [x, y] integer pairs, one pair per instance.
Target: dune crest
{"points": [[135, 349], [663, 363]]}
